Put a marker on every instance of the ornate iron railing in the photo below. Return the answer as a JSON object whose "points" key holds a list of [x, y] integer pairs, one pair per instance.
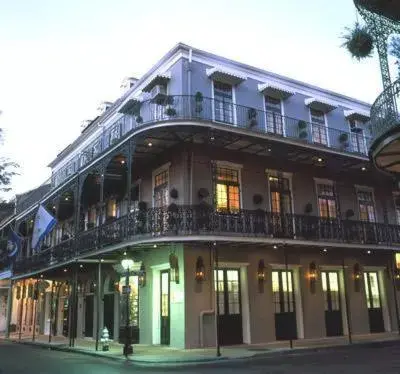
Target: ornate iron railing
{"points": [[207, 109], [384, 114], [183, 220]]}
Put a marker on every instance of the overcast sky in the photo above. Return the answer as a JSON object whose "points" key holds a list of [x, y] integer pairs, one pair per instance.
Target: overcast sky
{"points": [[60, 59]]}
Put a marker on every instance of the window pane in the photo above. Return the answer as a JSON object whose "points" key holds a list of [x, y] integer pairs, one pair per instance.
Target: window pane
{"points": [[275, 202], [234, 204], [375, 297], [222, 197], [367, 290], [233, 291], [324, 285], [221, 289]]}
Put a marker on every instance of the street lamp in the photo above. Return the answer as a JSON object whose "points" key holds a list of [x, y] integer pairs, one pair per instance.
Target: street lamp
{"points": [[127, 264]]}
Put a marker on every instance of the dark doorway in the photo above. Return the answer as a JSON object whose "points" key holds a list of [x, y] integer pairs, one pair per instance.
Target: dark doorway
{"points": [[109, 313], [165, 307], [89, 310], [284, 304], [333, 310], [374, 302], [230, 330]]}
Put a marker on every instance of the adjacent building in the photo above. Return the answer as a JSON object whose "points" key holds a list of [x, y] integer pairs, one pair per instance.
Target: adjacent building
{"points": [[212, 175]]}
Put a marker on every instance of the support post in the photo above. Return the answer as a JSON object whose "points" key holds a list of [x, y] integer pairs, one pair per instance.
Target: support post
{"points": [[51, 309], [35, 301], [98, 296], [9, 308], [393, 275], [216, 285], [21, 310], [127, 347], [347, 300], [285, 254], [74, 303], [129, 178]]}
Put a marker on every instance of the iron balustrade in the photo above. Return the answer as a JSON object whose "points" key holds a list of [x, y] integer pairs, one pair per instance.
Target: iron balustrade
{"points": [[384, 114], [225, 114], [184, 220]]}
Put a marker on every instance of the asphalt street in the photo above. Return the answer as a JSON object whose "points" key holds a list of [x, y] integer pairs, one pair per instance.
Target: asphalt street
{"points": [[16, 359]]}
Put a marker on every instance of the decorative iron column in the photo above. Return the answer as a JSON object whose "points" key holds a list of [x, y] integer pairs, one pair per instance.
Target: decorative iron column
{"points": [[98, 303], [9, 308], [347, 299]]}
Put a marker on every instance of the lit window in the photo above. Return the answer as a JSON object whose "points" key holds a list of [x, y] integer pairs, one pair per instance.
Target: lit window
{"points": [[280, 195], [227, 190], [161, 189], [326, 201], [366, 206]]}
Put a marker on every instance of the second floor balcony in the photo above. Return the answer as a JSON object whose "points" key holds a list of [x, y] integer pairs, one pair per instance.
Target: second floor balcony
{"points": [[202, 222], [139, 115]]}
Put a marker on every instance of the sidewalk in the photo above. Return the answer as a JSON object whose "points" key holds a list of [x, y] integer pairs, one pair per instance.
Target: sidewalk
{"points": [[165, 356]]}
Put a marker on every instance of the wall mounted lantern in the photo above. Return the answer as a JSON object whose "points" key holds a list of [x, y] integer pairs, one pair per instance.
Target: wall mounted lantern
{"points": [[261, 271], [200, 270], [174, 268], [142, 276], [312, 276], [357, 275]]}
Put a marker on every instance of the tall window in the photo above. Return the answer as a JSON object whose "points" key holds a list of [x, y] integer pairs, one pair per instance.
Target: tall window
{"points": [[366, 205], [280, 195], [357, 137], [227, 190], [396, 198], [318, 127], [274, 115], [326, 201], [161, 189], [223, 102]]}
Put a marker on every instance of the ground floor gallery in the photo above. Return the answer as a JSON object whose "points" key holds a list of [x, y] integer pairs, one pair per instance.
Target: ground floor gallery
{"points": [[264, 293]]}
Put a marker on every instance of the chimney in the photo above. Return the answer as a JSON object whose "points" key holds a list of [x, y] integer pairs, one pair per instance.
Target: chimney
{"points": [[103, 107], [128, 83]]}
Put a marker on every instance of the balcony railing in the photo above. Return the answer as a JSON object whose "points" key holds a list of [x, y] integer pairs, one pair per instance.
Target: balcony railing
{"points": [[238, 116], [384, 114], [178, 221]]}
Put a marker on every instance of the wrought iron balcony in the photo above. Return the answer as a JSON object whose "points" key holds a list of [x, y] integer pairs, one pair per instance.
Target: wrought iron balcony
{"points": [[178, 221], [385, 129], [225, 114]]}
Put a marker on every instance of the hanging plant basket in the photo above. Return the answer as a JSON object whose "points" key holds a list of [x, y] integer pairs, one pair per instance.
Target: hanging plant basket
{"points": [[358, 41], [173, 193], [257, 199], [203, 193]]}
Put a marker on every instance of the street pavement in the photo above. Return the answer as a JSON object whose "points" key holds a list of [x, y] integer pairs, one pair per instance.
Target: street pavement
{"points": [[381, 358]]}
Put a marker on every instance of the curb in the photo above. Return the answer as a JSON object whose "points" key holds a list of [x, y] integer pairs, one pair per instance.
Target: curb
{"points": [[214, 360]]}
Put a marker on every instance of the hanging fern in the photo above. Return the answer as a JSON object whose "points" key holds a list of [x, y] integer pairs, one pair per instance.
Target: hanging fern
{"points": [[358, 41]]}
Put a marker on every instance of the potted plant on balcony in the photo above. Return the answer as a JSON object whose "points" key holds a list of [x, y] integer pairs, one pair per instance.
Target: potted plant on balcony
{"points": [[170, 111], [173, 219], [302, 125], [349, 213], [252, 117], [257, 199], [344, 140], [358, 41], [141, 217], [199, 102]]}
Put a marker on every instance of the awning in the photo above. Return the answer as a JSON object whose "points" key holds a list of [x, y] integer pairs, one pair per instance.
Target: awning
{"points": [[320, 104], [225, 76], [357, 115], [130, 106], [275, 90], [161, 79]]}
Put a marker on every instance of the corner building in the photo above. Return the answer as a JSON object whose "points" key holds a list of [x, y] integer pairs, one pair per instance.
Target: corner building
{"points": [[207, 168]]}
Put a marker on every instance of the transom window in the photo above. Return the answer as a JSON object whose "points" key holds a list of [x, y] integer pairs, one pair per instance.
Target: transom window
{"points": [[227, 189], [366, 206], [326, 201]]}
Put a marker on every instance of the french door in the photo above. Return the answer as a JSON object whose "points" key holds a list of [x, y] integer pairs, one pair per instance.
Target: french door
{"points": [[223, 102], [230, 314], [374, 301], [284, 305], [89, 310], [333, 311], [165, 308]]}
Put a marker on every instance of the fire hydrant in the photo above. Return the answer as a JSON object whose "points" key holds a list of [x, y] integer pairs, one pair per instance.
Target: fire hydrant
{"points": [[105, 339]]}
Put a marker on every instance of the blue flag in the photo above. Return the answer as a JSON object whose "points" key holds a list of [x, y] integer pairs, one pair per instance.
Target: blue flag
{"points": [[13, 243], [44, 223]]}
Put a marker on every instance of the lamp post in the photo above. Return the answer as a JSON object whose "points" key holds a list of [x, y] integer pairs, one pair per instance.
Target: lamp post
{"points": [[127, 264]]}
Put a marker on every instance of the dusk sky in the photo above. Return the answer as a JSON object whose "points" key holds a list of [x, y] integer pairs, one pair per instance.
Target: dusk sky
{"points": [[60, 59]]}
